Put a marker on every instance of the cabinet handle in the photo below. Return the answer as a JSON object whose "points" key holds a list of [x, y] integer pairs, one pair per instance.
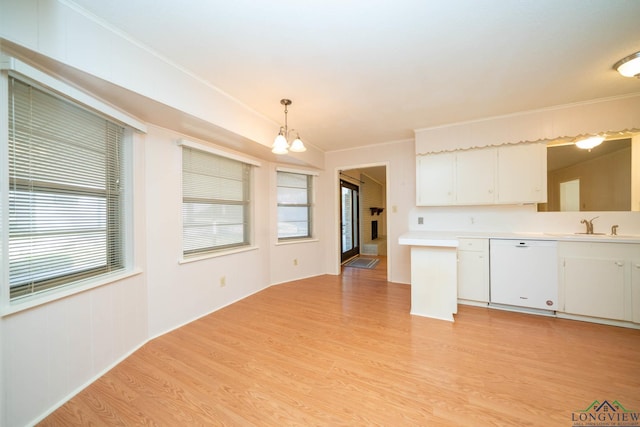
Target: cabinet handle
{"points": [[619, 263]]}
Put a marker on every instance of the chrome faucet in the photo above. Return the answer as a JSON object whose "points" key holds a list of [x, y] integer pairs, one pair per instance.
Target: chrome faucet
{"points": [[589, 224]]}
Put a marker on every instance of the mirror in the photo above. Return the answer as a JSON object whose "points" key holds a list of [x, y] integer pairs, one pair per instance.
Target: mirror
{"points": [[598, 179]]}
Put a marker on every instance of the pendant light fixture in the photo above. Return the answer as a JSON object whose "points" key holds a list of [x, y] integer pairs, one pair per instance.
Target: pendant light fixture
{"points": [[281, 143], [629, 66]]}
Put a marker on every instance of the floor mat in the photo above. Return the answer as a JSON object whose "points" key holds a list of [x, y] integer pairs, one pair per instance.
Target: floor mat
{"points": [[363, 263]]}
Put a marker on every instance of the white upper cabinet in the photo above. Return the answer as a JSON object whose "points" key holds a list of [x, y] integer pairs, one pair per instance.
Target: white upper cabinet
{"points": [[508, 174], [476, 176], [435, 179], [522, 173]]}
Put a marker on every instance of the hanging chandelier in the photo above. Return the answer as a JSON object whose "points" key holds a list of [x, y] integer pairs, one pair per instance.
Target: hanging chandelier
{"points": [[281, 143]]}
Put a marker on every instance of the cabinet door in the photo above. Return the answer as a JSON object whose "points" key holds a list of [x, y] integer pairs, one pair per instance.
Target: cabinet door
{"points": [[522, 173], [635, 290], [473, 276], [435, 179], [476, 176], [594, 287]]}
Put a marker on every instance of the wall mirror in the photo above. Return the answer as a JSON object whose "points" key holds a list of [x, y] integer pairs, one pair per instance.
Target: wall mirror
{"points": [[598, 179]]}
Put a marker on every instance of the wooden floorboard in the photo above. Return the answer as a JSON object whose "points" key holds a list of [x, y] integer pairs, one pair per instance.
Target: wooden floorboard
{"points": [[344, 350]]}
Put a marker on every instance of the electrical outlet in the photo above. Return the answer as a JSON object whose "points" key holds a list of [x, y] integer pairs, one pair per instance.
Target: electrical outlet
{"points": [[295, 261], [223, 281], [420, 220]]}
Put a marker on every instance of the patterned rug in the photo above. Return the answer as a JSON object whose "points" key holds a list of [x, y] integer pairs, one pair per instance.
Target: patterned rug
{"points": [[363, 263]]}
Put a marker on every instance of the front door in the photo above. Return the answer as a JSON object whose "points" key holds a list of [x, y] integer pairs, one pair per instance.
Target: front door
{"points": [[349, 220]]}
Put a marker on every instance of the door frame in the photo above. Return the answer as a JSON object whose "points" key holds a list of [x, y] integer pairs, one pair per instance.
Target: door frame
{"points": [[335, 260], [355, 221]]}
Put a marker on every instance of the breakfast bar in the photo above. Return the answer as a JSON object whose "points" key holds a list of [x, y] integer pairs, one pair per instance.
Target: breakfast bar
{"points": [[433, 273]]}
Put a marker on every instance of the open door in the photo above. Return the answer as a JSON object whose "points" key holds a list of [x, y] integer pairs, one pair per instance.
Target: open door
{"points": [[349, 220]]}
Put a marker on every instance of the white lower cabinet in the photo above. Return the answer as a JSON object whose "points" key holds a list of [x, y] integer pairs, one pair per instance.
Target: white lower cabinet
{"points": [[473, 270], [594, 287], [433, 282], [600, 280], [635, 290]]}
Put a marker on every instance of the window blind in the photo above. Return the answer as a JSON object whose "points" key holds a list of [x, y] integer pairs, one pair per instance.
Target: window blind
{"points": [[65, 192], [215, 205], [294, 205]]}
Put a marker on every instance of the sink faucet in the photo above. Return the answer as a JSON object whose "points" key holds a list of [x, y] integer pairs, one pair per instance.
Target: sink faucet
{"points": [[589, 224], [614, 230]]}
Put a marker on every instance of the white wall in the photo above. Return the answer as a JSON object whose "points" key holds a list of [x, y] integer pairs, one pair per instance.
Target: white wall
{"points": [[70, 36], [518, 218], [607, 115], [179, 293], [399, 159], [564, 121], [371, 195], [51, 351]]}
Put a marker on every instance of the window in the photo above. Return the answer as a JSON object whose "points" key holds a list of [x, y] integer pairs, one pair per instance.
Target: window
{"points": [[65, 196], [215, 202], [294, 205]]}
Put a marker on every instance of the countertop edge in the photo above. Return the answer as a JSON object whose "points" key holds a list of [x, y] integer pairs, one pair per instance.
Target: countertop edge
{"points": [[451, 238]]}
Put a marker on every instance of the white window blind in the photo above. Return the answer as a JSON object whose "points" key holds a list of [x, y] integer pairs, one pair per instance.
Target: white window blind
{"points": [[215, 204], [294, 205], [65, 192]]}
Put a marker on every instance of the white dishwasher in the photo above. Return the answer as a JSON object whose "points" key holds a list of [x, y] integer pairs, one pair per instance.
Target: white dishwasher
{"points": [[524, 273]]}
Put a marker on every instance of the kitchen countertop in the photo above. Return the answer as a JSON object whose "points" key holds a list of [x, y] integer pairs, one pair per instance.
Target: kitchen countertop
{"points": [[450, 238]]}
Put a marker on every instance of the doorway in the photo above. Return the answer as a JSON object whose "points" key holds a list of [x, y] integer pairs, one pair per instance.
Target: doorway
{"points": [[349, 220], [570, 196]]}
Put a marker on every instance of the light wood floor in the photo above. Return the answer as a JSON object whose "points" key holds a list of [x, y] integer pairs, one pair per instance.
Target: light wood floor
{"points": [[343, 350]]}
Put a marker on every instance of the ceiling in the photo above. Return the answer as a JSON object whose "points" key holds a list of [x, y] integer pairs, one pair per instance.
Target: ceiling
{"points": [[368, 72]]}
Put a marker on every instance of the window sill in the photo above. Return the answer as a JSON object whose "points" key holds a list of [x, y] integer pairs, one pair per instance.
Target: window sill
{"points": [[296, 241], [28, 302], [217, 254]]}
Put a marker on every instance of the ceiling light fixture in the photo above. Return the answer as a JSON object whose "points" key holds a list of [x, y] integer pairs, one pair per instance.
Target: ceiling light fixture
{"points": [[629, 66], [281, 143], [589, 143]]}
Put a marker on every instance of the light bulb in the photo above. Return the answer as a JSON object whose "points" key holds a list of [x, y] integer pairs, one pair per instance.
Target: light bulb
{"points": [[280, 145], [589, 143], [297, 146], [629, 66]]}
